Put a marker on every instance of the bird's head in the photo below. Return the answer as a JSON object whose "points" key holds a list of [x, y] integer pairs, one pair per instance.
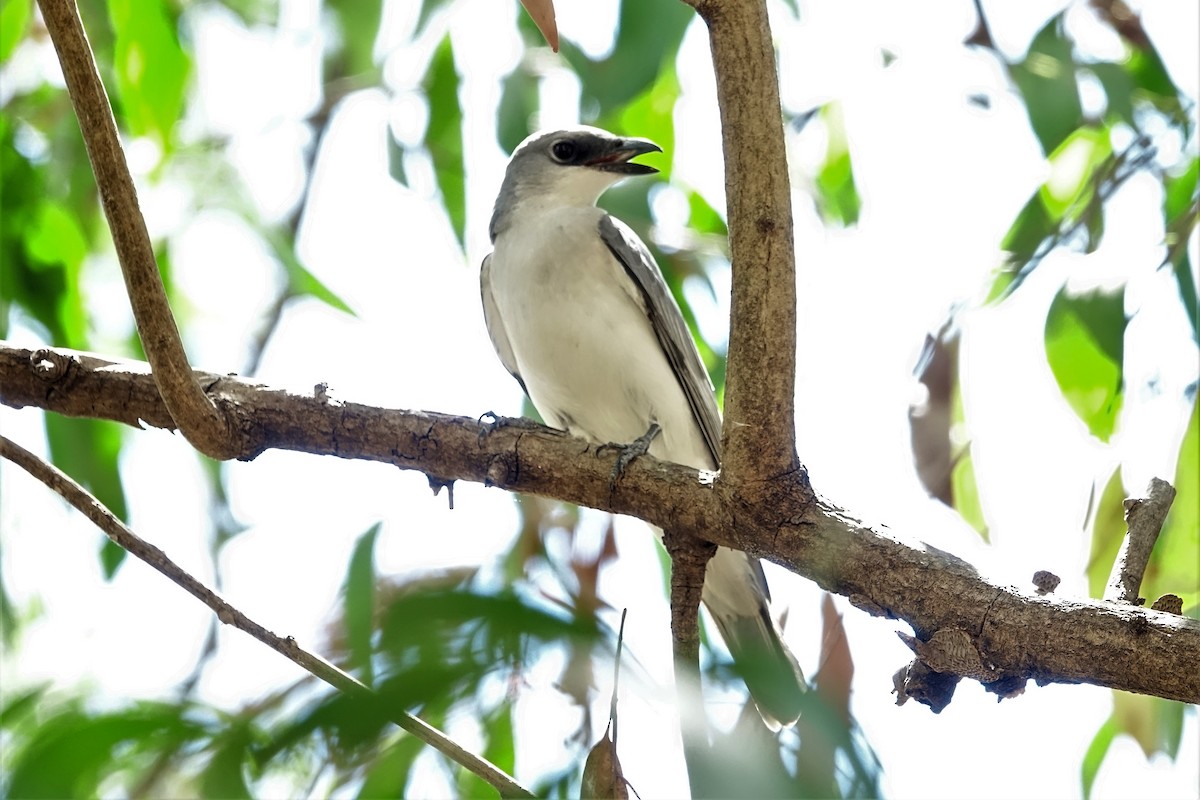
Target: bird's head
{"points": [[568, 167]]}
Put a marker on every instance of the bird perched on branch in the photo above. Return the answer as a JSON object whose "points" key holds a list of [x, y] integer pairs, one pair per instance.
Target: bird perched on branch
{"points": [[579, 313]]}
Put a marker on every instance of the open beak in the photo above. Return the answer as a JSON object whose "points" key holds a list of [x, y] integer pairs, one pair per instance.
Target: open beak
{"points": [[617, 158]]}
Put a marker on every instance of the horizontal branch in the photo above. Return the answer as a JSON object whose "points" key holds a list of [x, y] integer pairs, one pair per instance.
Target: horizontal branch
{"points": [[1016, 634]]}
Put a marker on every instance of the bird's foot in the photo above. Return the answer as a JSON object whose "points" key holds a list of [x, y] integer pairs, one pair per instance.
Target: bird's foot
{"points": [[628, 453], [493, 422]]}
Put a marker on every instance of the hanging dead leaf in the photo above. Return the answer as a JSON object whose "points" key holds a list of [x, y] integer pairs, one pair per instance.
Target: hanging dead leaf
{"points": [[542, 14], [602, 775]]}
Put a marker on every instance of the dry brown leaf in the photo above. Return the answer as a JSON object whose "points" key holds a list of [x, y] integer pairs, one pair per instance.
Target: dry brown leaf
{"points": [[542, 14]]}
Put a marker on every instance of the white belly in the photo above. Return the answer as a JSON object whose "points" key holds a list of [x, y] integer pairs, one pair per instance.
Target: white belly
{"points": [[584, 347]]}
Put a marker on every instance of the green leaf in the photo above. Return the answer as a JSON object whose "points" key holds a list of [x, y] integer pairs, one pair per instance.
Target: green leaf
{"points": [[703, 218], [518, 105], [14, 19], [1180, 190], [837, 197], [151, 67], [87, 450], [225, 774], [1173, 566], [443, 136], [359, 23], [1073, 167], [1085, 346], [651, 114], [500, 750], [1094, 756], [1118, 89], [1156, 724], [965, 489], [388, 774], [1046, 79], [1108, 531], [648, 37], [359, 592]]}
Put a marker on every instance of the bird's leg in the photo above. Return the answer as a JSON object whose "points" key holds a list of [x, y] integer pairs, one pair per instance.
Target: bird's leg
{"points": [[628, 453], [493, 422]]}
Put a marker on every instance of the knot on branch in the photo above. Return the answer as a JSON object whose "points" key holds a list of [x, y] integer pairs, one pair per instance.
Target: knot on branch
{"points": [[49, 365], [952, 650]]}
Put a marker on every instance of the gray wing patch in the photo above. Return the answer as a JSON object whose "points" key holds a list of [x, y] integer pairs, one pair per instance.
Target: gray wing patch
{"points": [[495, 324], [669, 326]]}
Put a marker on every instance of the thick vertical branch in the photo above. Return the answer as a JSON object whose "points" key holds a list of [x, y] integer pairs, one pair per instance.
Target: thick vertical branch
{"points": [[759, 436], [197, 417]]}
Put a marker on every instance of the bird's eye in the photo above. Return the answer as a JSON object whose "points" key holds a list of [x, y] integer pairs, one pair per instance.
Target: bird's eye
{"points": [[563, 150]]}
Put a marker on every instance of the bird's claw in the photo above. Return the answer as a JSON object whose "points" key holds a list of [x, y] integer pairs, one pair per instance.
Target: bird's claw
{"points": [[493, 422], [628, 453]]}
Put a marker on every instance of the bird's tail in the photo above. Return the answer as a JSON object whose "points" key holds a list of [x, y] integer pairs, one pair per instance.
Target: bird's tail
{"points": [[742, 613]]}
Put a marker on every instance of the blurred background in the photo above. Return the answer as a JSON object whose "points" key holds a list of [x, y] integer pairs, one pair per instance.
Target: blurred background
{"points": [[995, 212]]}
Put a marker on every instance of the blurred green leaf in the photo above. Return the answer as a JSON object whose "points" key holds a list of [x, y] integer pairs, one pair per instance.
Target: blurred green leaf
{"points": [[837, 194], [650, 115], [1073, 166], [359, 592], [14, 18], [498, 733], [1046, 79], [428, 9], [1108, 531], [359, 23], [648, 37], [88, 451], [1085, 347], [1156, 724], [1180, 190], [224, 776], [152, 68], [1154, 84], [443, 137], [72, 752], [703, 218], [518, 106], [388, 773], [1118, 87], [1094, 757], [19, 705], [1173, 566], [965, 487]]}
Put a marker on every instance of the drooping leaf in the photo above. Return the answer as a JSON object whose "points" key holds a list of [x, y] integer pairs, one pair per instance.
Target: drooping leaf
{"points": [[224, 775], [518, 105], [359, 600], [1156, 724], [499, 748], [152, 68], [1085, 347], [443, 136], [1173, 566], [542, 14], [1094, 757], [966, 493], [14, 19], [1108, 531], [1046, 79], [648, 37], [837, 194]]}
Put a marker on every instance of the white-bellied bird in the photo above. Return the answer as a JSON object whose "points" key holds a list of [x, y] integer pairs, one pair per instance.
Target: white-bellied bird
{"points": [[580, 315]]}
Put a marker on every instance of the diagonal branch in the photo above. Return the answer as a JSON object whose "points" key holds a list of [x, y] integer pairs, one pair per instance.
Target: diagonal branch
{"points": [[116, 530], [202, 422], [1018, 635]]}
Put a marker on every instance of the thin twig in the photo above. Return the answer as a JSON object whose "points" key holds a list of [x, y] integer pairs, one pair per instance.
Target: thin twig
{"points": [[116, 530], [197, 417], [1145, 517]]}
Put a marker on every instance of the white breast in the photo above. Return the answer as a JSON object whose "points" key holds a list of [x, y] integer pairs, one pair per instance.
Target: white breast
{"points": [[583, 344]]}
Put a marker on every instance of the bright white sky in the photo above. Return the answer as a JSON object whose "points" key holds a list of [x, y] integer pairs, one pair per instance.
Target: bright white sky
{"points": [[941, 180]]}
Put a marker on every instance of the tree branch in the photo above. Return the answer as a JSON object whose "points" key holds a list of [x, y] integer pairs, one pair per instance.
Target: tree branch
{"points": [[1018, 635], [759, 436], [689, 558], [116, 530], [1145, 517], [202, 422]]}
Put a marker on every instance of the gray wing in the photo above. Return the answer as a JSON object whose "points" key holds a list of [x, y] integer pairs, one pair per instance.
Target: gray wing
{"points": [[669, 326], [494, 323]]}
